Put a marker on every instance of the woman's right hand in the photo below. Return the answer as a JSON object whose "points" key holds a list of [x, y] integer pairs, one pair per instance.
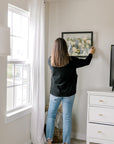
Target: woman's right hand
{"points": [[92, 50]]}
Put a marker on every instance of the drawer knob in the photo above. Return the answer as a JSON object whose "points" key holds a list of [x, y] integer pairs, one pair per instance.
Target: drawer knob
{"points": [[99, 131], [100, 114], [100, 100]]}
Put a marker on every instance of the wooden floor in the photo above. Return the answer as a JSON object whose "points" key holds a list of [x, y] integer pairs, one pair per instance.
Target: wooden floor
{"points": [[74, 141]]}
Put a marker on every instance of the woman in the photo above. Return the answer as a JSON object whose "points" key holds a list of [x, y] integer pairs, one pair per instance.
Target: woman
{"points": [[63, 87]]}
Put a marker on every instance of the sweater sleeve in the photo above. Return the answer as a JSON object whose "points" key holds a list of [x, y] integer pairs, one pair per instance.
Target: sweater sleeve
{"points": [[82, 62], [49, 62]]}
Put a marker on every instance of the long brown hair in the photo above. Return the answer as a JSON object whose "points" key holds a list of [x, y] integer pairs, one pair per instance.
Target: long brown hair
{"points": [[59, 55]]}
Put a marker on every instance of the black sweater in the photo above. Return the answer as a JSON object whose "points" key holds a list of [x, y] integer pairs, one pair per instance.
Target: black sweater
{"points": [[64, 79]]}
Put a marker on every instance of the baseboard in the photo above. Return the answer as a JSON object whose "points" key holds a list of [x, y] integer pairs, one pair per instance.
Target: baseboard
{"points": [[78, 136]]}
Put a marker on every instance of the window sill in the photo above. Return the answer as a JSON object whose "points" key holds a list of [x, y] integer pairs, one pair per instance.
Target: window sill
{"points": [[17, 114]]}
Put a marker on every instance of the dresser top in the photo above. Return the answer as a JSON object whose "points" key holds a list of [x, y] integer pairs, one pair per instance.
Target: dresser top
{"points": [[101, 92]]}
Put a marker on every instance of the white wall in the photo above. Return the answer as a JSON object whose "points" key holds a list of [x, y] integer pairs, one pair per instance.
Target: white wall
{"points": [[18, 131], [83, 15]]}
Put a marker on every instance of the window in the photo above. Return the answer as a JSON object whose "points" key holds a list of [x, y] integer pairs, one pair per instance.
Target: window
{"points": [[18, 67]]}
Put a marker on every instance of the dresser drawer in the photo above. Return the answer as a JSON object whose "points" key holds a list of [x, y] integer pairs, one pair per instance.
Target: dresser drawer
{"points": [[101, 115], [104, 132], [101, 100]]}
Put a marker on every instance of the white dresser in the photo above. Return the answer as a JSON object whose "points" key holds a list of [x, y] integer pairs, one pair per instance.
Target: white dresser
{"points": [[100, 117]]}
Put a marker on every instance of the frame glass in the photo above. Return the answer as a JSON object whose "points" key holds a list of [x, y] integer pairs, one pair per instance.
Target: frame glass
{"points": [[79, 43]]}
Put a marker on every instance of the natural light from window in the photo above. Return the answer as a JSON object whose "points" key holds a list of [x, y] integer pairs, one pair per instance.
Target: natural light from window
{"points": [[18, 67]]}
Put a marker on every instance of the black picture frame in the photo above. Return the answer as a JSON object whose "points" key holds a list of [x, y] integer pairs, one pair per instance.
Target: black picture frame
{"points": [[112, 67], [79, 43]]}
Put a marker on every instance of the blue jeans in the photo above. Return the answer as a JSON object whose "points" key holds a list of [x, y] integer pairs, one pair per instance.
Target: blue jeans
{"points": [[67, 103]]}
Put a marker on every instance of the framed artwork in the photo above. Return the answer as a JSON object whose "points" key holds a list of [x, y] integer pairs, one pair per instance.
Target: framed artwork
{"points": [[79, 43]]}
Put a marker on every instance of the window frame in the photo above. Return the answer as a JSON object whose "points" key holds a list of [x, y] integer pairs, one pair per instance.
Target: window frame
{"points": [[10, 114], [13, 86], [21, 12]]}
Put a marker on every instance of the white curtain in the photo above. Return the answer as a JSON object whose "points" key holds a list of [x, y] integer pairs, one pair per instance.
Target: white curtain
{"points": [[37, 44]]}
